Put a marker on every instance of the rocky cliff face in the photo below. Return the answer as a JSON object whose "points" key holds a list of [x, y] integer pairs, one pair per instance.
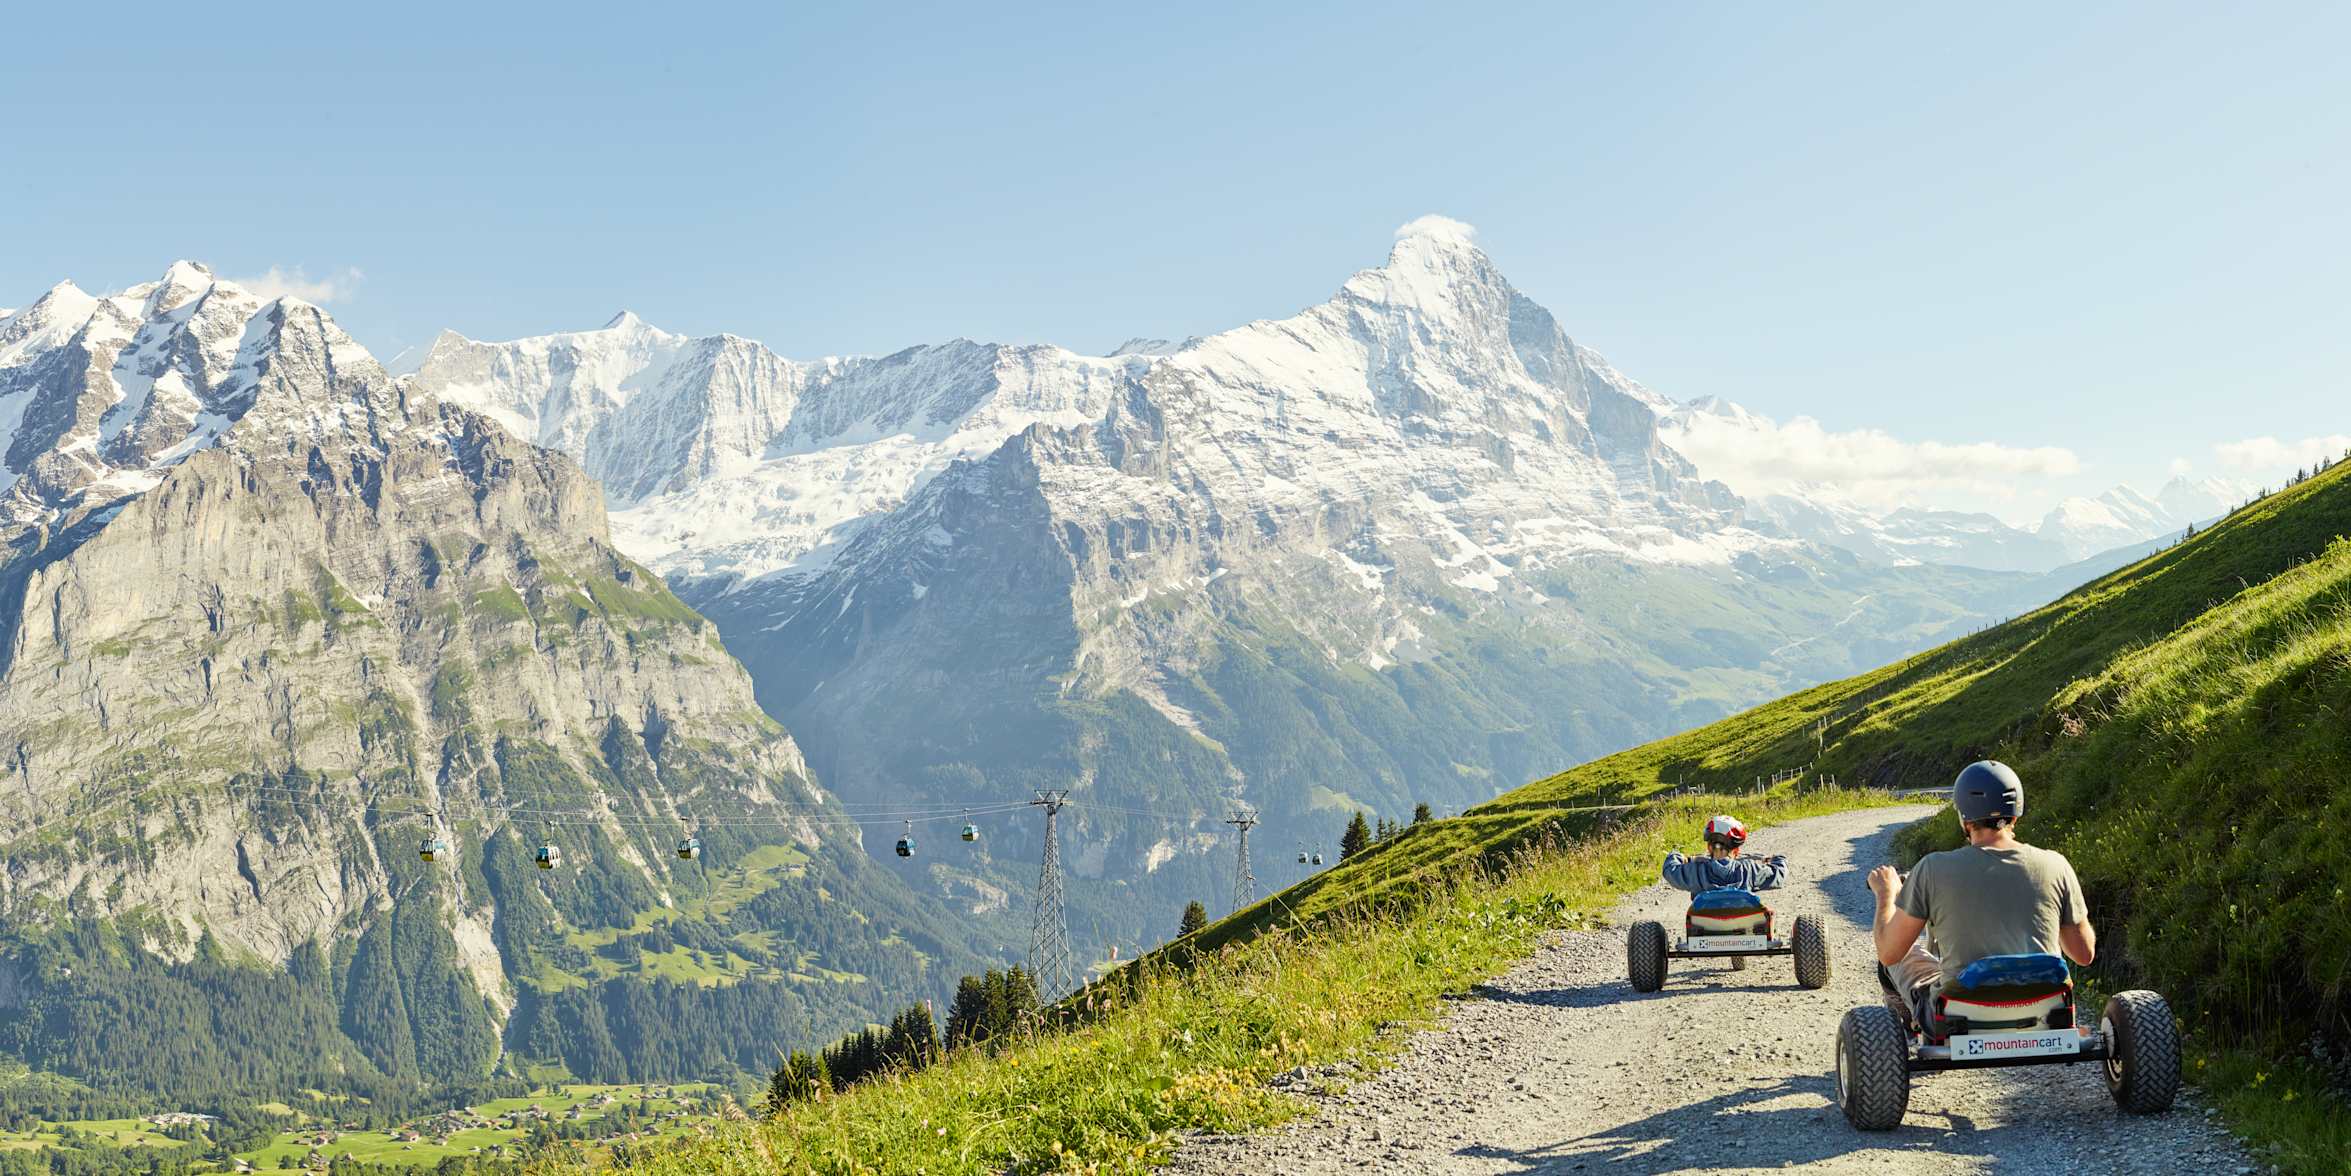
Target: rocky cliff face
{"points": [[270, 620]]}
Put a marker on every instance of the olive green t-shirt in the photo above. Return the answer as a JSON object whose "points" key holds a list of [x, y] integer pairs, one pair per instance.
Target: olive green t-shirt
{"points": [[1981, 902]]}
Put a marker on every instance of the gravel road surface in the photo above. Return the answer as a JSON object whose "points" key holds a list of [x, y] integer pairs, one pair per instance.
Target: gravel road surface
{"points": [[1560, 1066]]}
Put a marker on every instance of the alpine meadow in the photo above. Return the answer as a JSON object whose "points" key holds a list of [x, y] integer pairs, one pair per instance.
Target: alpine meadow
{"points": [[1225, 591]]}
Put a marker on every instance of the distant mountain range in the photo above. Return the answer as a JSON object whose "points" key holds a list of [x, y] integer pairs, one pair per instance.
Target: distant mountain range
{"points": [[1413, 543], [2073, 530]]}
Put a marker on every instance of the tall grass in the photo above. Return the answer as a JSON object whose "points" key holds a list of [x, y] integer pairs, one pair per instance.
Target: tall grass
{"points": [[1167, 1048]]}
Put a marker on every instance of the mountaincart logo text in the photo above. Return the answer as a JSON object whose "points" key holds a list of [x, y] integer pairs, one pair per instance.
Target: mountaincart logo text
{"points": [[1986, 1047]]}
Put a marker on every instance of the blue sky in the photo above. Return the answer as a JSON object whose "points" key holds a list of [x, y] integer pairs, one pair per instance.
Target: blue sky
{"points": [[2115, 230]]}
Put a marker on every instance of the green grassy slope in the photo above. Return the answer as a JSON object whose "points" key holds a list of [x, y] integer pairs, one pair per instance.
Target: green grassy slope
{"points": [[2180, 727], [2183, 727], [1193, 1048]]}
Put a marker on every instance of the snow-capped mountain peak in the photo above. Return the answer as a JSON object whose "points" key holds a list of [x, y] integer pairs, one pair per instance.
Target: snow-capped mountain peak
{"points": [[2198, 499], [101, 394], [97, 391], [182, 283], [1438, 275], [1432, 353], [2124, 516]]}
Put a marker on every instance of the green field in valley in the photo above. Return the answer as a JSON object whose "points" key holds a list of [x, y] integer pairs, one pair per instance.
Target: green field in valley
{"points": [[578, 1119]]}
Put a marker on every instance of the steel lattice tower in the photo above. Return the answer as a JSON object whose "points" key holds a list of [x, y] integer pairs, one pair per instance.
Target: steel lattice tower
{"points": [[1049, 962], [1244, 882]]}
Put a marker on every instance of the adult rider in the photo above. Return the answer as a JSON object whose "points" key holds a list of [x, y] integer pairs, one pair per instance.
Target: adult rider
{"points": [[1994, 896]]}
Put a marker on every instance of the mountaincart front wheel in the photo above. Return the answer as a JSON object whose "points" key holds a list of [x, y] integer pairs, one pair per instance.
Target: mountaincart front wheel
{"points": [[1873, 1068], [1812, 952]]}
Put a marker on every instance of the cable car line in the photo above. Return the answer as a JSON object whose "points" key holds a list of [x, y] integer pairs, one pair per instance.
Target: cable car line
{"points": [[822, 815], [876, 809]]}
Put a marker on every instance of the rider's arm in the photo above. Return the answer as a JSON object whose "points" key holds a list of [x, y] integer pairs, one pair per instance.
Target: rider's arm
{"points": [[1675, 873], [2080, 941], [1897, 926], [2074, 933], [1894, 931], [1772, 874]]}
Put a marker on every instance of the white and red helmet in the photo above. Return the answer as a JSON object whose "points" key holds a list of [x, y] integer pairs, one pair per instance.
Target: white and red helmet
{"points": [[1726, 831]]}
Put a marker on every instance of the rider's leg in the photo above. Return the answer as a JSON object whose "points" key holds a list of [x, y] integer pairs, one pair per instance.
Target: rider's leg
{"points": [[1902, 984]]}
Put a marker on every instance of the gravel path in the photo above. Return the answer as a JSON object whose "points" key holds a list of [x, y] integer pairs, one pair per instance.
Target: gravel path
{"points": [[1560, 1066]]}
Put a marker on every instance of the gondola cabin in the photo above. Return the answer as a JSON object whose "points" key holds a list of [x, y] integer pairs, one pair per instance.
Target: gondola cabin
{"points": [[1301, 857], [906, 847], [1318, 859], [433, 849], [971, 832], [690, 848], [548, 857]]}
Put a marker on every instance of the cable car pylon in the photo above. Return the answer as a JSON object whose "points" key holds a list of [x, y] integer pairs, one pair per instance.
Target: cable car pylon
{"points": [[1049, 962], [1244, 819]]}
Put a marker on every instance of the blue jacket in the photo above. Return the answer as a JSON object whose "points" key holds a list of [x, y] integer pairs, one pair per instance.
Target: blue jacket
{"points": [[1700, 874]]}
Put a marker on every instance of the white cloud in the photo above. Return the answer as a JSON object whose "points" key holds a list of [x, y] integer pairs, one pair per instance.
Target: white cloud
{"points": [[2181, 467], [1440, 228], [1872, 468], [280, 282], [2270, 457]]}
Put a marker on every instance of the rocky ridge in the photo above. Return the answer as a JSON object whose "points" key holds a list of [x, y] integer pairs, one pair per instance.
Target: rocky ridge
{"points": [[270, 619]]}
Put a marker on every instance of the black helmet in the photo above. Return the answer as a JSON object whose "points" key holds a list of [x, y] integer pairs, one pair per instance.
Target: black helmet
{"points": [[1986, 789]]}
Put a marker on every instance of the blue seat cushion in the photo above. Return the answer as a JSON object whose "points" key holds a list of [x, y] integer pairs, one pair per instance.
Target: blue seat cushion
{"points": [[2012, 971], [1727, 899]]}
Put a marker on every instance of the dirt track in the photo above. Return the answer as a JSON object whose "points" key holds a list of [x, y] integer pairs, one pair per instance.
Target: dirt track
{"points": [[1560, 1066]]}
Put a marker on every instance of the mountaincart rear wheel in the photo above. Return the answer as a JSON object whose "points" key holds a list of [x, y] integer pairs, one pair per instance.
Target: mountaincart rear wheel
{"points": [[2142, 1052], [1644, 951]]}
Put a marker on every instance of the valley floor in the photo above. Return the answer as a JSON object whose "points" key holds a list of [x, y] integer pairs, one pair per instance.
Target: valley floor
{"points": [[1559, 1066], [584, 1118]]}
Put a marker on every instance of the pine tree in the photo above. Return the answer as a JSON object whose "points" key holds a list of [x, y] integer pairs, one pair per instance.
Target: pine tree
{"points": [[996, 1011], [913, 1041], [986, 1007], [1020, 998], [798, 1079], [967, 1018], [1195, 918], [1356, 839], [1421, 814]]}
